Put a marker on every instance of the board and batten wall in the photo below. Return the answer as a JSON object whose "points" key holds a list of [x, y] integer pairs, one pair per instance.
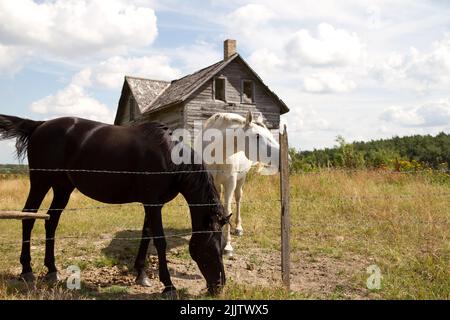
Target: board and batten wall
{"points": [[173, 116], [202, 104], [130, 112]]}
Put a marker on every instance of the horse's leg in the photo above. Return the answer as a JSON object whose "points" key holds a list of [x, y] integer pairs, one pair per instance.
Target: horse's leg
{"points": [[160, 243], [142, 278], [34, 201], [154, 220], [60, 199], [238, 196], [230, 186]]}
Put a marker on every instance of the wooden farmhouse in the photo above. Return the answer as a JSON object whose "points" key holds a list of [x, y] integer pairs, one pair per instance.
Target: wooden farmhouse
{"points": [[229, 85]]}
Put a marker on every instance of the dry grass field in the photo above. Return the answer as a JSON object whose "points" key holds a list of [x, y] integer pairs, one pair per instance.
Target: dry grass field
{"points": [[341, 224]]}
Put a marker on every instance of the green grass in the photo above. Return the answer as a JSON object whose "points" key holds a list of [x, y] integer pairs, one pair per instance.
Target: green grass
{"points": [[341, 224]]}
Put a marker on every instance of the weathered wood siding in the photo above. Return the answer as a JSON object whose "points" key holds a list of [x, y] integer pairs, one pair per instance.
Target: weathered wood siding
{"points": [[173, 117], [202, 105], [129, 111]]}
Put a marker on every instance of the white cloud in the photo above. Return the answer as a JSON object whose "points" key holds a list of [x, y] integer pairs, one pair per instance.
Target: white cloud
{"points": [[83, 78], [73, 100], [432, 114], [331, 60], [110, 73], [69, 28], [304, 120], [417, 70], [11, 59], [265, 62], [255, 27], [328, 82], [250, 15], [8, 152], [331, 47], [401, 116], [197, 56]]}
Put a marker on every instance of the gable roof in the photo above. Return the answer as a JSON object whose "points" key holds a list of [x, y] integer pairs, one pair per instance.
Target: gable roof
{"points": [[153, 95], [146, 91]]}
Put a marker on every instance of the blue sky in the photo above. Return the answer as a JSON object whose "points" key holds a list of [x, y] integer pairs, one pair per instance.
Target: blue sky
{"points": [[362, 69]]}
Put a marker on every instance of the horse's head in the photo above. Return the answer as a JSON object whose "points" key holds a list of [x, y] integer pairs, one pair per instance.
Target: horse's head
{"points": [[206, 248], [261, 146]]}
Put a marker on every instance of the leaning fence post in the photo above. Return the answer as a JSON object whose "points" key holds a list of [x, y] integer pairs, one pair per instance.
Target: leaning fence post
{"points": [[285, 217]]}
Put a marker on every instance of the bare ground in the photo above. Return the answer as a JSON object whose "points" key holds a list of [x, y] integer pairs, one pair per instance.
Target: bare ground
{"points": [[312, 276]]}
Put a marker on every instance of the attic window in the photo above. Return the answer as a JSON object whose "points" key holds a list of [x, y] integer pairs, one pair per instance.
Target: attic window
{"points": [[219, 89], [248, 91]]}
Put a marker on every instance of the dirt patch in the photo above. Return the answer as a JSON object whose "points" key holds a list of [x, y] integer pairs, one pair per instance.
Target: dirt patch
{"points": [[318, 276]]}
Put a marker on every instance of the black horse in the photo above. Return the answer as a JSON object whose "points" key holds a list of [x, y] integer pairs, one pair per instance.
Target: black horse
{"points": [[74, 145]]}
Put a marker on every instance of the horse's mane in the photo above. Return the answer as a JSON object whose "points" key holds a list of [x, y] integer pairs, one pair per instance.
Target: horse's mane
{"points": [[197, 179], [223, 119], [193, 177]]}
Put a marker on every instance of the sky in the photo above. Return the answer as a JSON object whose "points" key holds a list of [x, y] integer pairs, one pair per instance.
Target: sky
{"points": [[361, 69]]}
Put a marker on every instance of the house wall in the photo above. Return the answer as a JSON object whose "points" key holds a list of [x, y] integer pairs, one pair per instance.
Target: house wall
{"points": [[129, 111], [202, 105], [173, 116]]}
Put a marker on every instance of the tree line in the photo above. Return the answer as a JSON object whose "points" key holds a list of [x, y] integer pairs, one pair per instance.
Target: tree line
{"points": [[416, 152]]}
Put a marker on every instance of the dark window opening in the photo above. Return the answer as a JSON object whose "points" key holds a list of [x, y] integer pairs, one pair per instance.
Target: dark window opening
{"points": [[219, 89], [247, 91]]}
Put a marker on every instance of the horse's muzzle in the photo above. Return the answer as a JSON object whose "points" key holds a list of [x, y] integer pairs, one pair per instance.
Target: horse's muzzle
{"points": [[216, 289]]}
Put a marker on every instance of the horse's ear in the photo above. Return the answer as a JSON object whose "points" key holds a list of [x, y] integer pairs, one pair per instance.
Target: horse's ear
{"points": [[249, 118]]}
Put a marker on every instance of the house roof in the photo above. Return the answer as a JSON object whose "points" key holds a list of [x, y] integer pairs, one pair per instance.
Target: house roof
{"points": [[153, 95], [145, 91]]}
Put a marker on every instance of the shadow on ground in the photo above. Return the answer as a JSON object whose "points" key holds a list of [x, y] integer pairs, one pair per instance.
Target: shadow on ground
{"points": [[14, 288], [123, 248]]}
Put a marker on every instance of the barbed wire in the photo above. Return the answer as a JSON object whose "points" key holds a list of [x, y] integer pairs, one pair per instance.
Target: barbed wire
{"points": [[126, 172], [263, 202], [302, 225], [248, 202], [5, 171], [338, 170], [110, 238]]}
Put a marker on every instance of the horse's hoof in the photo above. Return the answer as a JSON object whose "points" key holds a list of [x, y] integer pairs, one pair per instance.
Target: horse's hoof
{"points": [[143, 280], [239, 232], [228, 253], [170, 293], [52, 277], [28, 277]]}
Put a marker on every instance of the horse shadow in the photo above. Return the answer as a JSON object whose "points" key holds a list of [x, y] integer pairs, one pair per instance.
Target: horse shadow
{"points": [[14, 287], [124, 246]]}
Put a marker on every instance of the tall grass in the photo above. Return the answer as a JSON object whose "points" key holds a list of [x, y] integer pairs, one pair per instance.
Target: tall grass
{"points": [[399, 222]]}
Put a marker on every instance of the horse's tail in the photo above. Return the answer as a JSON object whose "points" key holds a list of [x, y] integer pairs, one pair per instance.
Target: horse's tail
{"points": [[21, 129]]}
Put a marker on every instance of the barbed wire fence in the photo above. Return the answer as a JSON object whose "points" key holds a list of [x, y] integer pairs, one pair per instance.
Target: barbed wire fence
{"points": [[296, 202], [261, 203]]}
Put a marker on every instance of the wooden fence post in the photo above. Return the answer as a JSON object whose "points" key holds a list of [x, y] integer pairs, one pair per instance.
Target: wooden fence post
{"points": [[18, 215], [285, 217]]}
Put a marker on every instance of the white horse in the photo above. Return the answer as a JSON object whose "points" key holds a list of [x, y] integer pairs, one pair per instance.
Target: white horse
{"points": [[231, 171]]}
